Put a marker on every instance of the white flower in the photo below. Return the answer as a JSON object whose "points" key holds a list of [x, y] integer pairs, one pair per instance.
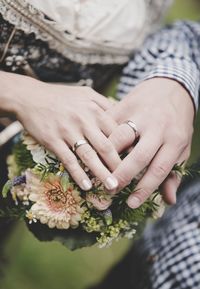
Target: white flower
{"points": [[130, 234], [39, 153], [31, 217]]}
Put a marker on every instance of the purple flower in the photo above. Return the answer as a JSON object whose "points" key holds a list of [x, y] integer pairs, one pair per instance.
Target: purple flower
{"points": [[19, 180]]}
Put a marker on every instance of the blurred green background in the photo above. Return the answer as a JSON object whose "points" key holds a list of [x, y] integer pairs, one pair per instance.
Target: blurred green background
{"points": [[49, 265]]}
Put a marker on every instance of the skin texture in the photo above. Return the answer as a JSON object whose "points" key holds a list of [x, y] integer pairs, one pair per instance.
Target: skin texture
{"points": [[163, 112], [57, 116]]}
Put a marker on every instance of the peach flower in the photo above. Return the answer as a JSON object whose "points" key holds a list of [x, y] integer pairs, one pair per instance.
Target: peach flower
{"points": [[99, 200], [53, 205]]}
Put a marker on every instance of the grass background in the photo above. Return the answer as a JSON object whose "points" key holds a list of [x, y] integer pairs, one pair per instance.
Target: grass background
{"points": [[49, 265]]}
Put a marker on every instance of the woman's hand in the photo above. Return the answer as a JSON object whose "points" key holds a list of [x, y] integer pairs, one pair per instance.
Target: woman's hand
{"points": [[163, 112], [58, 116]]}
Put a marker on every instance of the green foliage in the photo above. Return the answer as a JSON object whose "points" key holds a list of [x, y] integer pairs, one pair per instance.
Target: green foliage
{"points": [[72, 239], [64, 181], [12, 213], [137, 215], [23, 157], [6, 188]]}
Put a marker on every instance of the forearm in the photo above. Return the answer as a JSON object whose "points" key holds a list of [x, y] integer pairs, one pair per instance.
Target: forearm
{"points": [[12, 88]]}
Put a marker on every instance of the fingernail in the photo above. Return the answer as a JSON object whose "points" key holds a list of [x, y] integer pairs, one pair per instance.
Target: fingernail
{"points": [[111, 183], [86, 185], [133, 202]]}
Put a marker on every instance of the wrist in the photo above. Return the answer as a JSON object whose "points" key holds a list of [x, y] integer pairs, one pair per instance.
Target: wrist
{"points": [[175, 69], [13, 92]]}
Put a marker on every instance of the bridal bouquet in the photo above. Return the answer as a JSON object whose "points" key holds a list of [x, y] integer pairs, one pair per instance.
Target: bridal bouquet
{"points": [[43, 194]]}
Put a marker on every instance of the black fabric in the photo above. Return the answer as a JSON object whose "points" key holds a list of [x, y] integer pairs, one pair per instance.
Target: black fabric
{"points": [[47, 64]]}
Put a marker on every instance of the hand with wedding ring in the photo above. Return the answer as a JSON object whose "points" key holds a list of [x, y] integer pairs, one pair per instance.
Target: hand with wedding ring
{"points": [[64, 117], [159, 113]]}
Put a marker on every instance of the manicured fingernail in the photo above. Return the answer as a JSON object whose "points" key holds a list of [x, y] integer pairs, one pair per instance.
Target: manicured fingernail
{"points": [[86, 185], [111, 183], [133, 202]]}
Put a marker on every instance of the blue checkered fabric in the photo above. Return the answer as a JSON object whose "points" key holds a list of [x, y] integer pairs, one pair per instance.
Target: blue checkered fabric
{"points": [[170, 248], [173, 52]]}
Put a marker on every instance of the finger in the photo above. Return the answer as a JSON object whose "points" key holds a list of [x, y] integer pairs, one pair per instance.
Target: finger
{"points": [[103, 147], [138, 159], [106, 124], [71, 164], [170, 186], [90, 158], [156, 173], [122, 137], [102, 101], [116, 111]]}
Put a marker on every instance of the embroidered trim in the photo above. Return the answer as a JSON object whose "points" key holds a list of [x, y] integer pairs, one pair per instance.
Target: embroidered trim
{"points": [[30, 20], [27, 18]]}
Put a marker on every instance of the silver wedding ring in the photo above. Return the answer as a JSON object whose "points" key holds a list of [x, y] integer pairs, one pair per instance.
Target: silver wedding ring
{"points": [[78, 144], [134, 127]]}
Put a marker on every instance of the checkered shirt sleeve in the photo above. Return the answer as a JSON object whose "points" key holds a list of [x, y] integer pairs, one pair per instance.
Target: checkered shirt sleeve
{"points": [[170, 248], [172, 52]]}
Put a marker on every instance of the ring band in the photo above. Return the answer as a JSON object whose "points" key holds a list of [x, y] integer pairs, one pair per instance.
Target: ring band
{"points": [[78, 144], [134, 128]]}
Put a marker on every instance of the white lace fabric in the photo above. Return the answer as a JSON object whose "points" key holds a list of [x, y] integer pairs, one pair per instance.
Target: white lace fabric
{"points": [[89, 31]]}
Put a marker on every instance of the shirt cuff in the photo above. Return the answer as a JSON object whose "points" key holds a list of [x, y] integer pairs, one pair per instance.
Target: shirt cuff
{"points": [[182, 70]]}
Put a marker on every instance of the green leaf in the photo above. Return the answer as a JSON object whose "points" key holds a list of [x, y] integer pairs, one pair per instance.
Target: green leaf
{"points": [[6, 188], [64, 181], [72, 238], [23, 157]]}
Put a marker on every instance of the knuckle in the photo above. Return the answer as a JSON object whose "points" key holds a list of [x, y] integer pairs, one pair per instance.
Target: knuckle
{"points": [[123, 180], [95, 109], [48, 141], [120, 138], [71, 164], [74, 168], [75, 118], [160, 171], [87, 154], [105, 148], [64, 130], [88, 90], [142, 194], [143, 158], [181, 145], [181, 140], [104, 118], [70, 160]]}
